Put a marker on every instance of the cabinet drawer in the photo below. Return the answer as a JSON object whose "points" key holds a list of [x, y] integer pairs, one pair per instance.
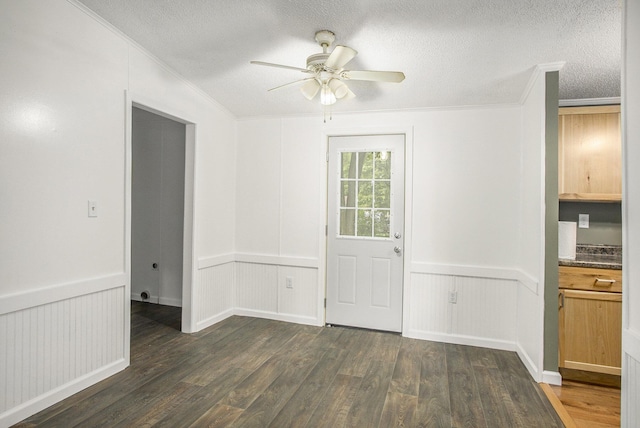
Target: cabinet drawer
{"points": [[591, 279]]}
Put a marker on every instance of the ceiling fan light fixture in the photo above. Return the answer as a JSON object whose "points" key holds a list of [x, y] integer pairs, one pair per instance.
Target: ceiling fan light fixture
{"points": [[339, 88], [327, 97], [310, 89]]}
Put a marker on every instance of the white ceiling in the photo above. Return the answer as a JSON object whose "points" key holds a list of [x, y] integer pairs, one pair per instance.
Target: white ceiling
{"points": [[453, 52]]}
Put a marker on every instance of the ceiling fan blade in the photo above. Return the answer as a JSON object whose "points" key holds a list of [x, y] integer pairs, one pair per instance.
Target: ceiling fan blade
{"points": [[339, 57], [268, 64], [290, 83], [374, 76], [350, 95]]}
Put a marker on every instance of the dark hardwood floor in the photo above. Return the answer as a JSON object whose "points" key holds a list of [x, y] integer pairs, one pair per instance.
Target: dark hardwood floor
{"points": [[260, 373]]}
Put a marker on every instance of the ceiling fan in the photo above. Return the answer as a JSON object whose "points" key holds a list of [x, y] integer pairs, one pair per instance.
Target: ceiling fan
{"points": [[327, 73]]}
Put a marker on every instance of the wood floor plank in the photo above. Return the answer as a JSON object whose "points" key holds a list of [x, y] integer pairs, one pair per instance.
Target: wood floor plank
{"points": [[359, 359], [369, 400], [268, 404], [433, 408], [333, 409], [531, 407], [299, 409], [218, 416], [497, 406], [200, 403], [406, 373], [466, 407], [399, 410]]}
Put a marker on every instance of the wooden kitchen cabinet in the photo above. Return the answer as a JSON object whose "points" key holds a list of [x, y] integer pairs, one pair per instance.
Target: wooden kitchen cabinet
{"points": [[590, 319], [590, 154]]}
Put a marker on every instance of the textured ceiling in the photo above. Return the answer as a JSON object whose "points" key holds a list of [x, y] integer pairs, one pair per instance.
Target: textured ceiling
{"points": [[453, 52]]}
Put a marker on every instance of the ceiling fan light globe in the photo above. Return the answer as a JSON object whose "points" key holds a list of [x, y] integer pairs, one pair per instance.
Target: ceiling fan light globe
{"points": [[339, 88], [310, 89], [327, 97]]}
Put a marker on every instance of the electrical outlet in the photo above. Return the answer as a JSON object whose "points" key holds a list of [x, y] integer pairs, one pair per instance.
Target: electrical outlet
{"points": [[453, 297], [583, 221], [289, 282]]}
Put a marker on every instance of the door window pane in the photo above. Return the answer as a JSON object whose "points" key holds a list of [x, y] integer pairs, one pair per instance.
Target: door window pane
{"points": [[365, 164], [381, 222], [364, 223], [382, 194], [348, 193], [348, 165], [347, 222], [383, 165], [365, 193]]}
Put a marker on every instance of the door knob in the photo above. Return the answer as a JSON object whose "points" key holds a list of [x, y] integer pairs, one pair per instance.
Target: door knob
{"points": [[397, 250], [397, 235]]}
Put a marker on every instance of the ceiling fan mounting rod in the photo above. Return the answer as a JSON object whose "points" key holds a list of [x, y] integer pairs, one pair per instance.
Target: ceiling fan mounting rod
{"points": [[325, 38]]}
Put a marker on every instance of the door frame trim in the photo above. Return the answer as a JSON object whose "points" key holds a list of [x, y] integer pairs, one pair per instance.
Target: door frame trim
{"points": [[159, 107], [408, 132]]}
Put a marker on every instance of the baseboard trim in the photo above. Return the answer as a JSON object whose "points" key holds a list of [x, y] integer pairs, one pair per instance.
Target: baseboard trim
{"points": [[33, 406], [201, 325], [458, 339], [552, 378], [528, 363], [296, 319]]}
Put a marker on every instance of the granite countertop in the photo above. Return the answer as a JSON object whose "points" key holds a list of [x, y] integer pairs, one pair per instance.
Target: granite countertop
{"points": [[596, 256]]}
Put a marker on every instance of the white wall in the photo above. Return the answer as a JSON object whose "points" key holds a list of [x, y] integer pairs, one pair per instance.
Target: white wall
{"points": [[465, 195], [62, 142], [631, 215], [157, 208]]}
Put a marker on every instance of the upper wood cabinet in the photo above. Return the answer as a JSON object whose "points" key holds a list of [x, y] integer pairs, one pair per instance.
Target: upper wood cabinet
{"points": [[590, 154]]}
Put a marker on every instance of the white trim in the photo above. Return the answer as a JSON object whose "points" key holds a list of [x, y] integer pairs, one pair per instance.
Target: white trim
{"points": [[266, 259], [631, 341], [589, 102], [201, 325], [460, 339], [213, 261], [528, 363], [511, 274], [297, 319], [552, 378], [41, 402], [319, 115], [539, 69], [55, 293]]}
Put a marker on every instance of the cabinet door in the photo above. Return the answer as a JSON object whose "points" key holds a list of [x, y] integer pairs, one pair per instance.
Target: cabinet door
{"points": [[590, 331], [590, 153]]}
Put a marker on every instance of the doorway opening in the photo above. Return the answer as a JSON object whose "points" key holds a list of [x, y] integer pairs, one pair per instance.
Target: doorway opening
{"points": [[160, 225]]}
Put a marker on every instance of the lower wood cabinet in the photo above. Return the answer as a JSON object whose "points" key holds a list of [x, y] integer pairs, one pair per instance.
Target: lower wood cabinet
{"points": [[590, 331]]}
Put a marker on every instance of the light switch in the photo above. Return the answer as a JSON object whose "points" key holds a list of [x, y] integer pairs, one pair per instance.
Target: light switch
{"points": [[583, 221], [93, 208]]}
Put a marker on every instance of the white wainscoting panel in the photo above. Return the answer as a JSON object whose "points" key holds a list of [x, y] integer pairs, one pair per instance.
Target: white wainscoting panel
{"points": [[429, 310], [631, 393], [485, 308], [257, 287], [484, 313], [215, 288], [53, 345], [302, 299]]}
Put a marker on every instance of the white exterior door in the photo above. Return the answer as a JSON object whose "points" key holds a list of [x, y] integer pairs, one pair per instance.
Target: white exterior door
{"points": [[365, 231]]}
